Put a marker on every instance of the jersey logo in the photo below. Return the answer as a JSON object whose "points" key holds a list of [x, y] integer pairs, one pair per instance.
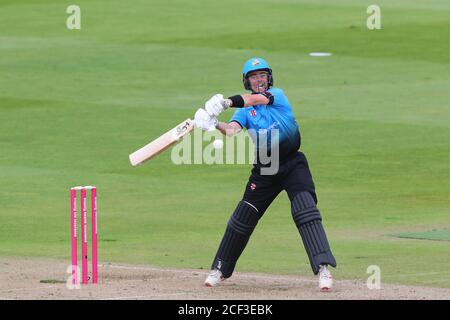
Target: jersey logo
{"points": [[253, 113], [253, 186]]}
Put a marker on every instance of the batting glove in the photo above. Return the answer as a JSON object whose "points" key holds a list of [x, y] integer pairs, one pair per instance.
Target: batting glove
{"points": [[216, 105], [204, 121]]}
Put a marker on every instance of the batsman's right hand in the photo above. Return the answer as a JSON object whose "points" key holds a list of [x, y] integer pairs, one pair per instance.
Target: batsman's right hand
{"points": [[204, 121]]}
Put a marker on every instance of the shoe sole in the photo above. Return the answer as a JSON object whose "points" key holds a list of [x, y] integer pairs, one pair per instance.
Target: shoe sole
{"points": [[325, 289]]}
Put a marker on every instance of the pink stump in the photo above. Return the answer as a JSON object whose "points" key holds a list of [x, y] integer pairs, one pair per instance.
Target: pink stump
{"points": [[73, 223], [94, 236], [84, 249]]}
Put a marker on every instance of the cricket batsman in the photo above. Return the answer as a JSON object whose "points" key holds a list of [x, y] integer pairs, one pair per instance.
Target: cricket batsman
{"points": [[267, 116]]}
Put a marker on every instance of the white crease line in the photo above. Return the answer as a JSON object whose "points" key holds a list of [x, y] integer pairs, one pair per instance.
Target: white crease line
{"points": [[199, 273], [274, 278], [110, 280]]}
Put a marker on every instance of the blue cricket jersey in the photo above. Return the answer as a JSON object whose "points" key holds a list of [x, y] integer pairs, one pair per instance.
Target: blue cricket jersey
{"points": [[265, 118]]}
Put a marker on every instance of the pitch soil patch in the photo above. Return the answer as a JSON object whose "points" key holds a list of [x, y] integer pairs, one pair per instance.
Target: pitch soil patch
{"points": [[32, 278]]}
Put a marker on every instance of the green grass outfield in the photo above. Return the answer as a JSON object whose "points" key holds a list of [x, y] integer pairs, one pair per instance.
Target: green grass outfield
{"points": [[375, 120]]}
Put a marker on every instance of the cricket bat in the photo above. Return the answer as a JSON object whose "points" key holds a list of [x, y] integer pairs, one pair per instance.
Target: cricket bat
{"points": [[162, 143]]}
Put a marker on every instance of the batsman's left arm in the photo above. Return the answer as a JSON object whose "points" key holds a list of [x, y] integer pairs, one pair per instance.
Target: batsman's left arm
{"points": [[247, 100]]}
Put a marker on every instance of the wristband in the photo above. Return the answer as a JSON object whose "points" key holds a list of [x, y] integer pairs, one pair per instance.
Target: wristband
{"points": [[238, 101]]}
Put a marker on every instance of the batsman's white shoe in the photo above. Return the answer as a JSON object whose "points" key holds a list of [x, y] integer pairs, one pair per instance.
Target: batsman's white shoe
{"points": [[214, 278], [325, 279]]}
